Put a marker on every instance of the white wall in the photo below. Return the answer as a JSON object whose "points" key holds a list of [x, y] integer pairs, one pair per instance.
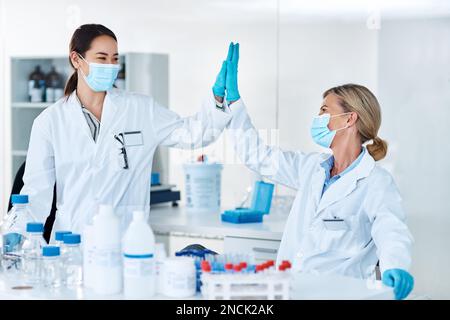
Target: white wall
{"points": [[196, 48], [414, 91], [3, 192], [405, 62], [315, 56]]}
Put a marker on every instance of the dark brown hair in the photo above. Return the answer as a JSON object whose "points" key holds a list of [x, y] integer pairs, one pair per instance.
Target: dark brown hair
{"points": [[81, 42]]}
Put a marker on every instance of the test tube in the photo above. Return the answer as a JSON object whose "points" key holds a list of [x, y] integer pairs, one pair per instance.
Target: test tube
{"points": [[237, 268], [228, 267], [205, 265]]}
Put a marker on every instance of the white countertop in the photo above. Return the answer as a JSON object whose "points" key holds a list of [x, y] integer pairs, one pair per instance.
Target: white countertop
{"points": [[164, 219], [304, 287]]}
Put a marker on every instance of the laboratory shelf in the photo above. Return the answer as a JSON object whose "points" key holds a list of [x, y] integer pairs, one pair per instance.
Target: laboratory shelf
{"points": [[31, 105]]}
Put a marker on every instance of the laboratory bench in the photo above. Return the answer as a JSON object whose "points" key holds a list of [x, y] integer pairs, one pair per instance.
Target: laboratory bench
{"points": [[303, 287], [177, 227]]}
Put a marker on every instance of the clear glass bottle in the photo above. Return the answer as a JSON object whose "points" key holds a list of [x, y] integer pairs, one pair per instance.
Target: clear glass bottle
{"points": [[51, 267], [72, 260], [13, 229], [31, 253]]}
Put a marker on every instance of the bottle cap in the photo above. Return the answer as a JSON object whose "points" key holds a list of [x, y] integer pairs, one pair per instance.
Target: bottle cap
{"points": [[286, 263], [72, 238], [60, 234], [206, 267], [50, 251], [282, 267], [19, 198], [35, 227]]}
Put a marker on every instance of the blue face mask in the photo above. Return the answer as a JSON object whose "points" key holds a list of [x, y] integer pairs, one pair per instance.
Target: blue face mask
{"points": [[101, 76], [320, 132]]}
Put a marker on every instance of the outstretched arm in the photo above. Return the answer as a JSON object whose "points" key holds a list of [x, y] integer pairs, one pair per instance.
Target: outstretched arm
{"points": [[200, 129]]}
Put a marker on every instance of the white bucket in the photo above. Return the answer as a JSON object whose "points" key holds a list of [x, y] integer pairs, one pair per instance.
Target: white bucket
{"points": [[202, 186]]}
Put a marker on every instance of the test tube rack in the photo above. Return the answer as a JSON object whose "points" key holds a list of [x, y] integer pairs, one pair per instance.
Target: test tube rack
{"points": [[245, 286]]}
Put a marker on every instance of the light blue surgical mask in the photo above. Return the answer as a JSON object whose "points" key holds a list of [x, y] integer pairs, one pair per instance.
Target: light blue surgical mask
{"points": [[320, 132], [101, 76]]}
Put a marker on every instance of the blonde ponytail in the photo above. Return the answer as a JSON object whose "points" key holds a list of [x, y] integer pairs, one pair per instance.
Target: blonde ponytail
{"points": [[377, 149], [359, 99]]}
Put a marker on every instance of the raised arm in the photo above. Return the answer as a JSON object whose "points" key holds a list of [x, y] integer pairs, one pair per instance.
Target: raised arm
{"points": [[200, 129], [196, 131], [270, 161]]}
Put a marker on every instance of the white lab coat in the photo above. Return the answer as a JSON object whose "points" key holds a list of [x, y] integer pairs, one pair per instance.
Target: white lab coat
{"points": [[366, 198], [89, 173]]}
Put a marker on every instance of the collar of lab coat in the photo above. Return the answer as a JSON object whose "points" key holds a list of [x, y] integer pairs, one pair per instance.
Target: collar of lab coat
{"points": [[110, 108], [345, 185]]}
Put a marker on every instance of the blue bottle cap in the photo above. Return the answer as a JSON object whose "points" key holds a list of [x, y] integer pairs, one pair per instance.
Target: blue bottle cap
{"points": [[19, 198], [35, 227], [60, 234], [50, 251], [72, 238]]}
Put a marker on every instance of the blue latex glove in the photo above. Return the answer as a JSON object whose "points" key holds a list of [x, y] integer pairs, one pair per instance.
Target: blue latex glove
{"points": [[219, 86], [401, 280], [231, 83]]}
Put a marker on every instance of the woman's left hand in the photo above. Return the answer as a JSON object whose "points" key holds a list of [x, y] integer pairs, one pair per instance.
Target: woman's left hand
{"points": [[400, 280], [231, 83]]}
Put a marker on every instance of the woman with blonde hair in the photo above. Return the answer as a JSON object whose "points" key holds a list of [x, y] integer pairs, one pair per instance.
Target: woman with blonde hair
{"points": [[347, 216]]}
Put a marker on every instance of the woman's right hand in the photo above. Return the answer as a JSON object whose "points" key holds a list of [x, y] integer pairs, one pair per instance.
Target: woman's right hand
{"points": [[219, 85]]}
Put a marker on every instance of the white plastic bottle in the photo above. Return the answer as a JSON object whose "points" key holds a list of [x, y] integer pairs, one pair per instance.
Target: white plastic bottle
{"points": [[88, 248], [138, 248], [107, 260], [31, 252], [179, 277], [160, 255]]}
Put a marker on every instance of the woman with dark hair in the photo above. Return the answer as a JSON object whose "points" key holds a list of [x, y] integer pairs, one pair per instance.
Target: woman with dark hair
{"points": [[97, 143]]}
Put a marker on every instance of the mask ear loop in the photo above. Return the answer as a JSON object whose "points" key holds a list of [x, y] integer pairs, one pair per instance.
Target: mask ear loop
{"points": [[82, 58], [338, 115]]}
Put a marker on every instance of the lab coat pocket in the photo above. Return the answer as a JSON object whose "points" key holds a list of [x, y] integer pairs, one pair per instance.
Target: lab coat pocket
{"points": [[336, 224], [334, 233]]}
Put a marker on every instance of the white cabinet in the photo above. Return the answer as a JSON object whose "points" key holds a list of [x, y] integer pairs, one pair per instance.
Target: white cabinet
{"points": [[261, 249], [24, 112], [145, 73]]}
